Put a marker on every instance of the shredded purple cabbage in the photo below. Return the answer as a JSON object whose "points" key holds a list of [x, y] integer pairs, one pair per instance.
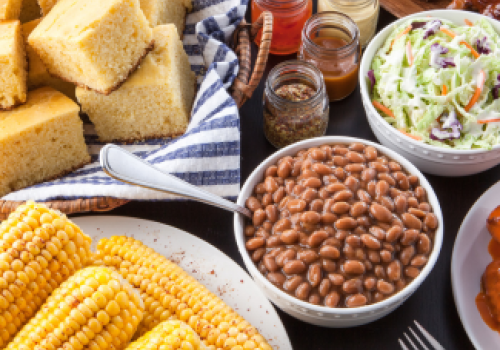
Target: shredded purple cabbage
{"points": [[496, 89], [447, 62], [451, 120], [483, 47], [450, 130], [432, 28], [442, 134], [418, 25], [371, 76], [437, 60], [439, 49]]}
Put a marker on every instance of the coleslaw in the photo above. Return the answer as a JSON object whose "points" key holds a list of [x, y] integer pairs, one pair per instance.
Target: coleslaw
{"points": [[439, 82]]}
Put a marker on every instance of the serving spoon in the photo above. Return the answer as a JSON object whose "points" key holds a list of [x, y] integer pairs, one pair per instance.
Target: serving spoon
{"points": [[126, 167]]}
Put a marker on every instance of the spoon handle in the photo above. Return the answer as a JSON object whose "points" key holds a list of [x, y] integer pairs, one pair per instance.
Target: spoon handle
{"points": [[126, 167]]}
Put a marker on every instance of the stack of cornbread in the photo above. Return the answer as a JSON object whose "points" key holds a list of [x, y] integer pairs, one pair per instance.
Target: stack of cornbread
{"points": [[57, 294], [123, 58]]}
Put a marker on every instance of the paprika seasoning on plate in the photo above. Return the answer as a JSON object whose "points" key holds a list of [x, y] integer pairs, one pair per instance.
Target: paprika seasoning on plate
{"points": [[330, 41], [289, 18]]}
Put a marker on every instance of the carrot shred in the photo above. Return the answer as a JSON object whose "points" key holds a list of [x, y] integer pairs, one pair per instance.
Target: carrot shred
{"points": [[451, 34], [383, 108], [444, 91], [469, 23], [488, 121], [415, 137], [409, 54], [480, 83], [472, 50], [405, 31]]}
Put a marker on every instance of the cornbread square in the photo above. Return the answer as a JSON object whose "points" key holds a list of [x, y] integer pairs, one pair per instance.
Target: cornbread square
{"points": [[37, 73], [40, 140], [46, 5], [30, 11], [156, 100], [93, 43], [166, 11], [10, 9], [12, 65]]}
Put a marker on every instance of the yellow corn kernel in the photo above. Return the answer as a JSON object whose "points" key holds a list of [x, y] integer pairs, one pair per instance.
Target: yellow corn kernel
{"points": [[171, 335], [71, 319], [168, 292], [32, 263]]}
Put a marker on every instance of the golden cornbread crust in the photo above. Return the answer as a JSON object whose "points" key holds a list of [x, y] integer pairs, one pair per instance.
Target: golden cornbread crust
{"points": [[149, 137], [154, 102], [96, 43], [148, 49], [13, 72], [40, 140], [10, 107]]}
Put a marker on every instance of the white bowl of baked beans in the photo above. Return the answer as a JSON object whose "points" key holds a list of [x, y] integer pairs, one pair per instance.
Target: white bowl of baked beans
{"points": [[428, 158], [344, 230]]}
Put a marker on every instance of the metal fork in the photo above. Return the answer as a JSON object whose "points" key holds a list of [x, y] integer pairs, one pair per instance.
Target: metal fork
{"points": [[433, 342]]}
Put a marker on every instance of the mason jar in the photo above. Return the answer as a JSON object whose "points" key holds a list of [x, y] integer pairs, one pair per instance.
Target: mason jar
{"points": [[296, 105], [363, 12], [289, 18], [330, 41]]}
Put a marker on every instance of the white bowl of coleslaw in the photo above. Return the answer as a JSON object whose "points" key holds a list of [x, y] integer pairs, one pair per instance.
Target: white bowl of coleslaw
{"points": [[421, 98]]}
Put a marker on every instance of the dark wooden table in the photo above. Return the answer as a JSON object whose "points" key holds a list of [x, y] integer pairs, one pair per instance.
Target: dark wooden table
{"points": [[432, 304]]}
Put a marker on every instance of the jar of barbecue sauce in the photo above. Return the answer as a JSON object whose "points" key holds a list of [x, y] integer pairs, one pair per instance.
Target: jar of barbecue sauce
{"points": [[330, 41], [363, 12], [289, 18]]}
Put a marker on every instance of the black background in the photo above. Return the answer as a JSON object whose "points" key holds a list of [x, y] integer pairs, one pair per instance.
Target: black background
{"points": [[432, 304]]}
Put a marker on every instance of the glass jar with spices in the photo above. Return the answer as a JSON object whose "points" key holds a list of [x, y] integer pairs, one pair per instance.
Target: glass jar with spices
{"points": [[289, 18], [330, 41], [296, 105], [363, 12]]}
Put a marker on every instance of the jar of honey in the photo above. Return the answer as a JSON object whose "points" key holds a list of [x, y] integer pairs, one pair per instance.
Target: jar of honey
{"points": [[289, 18], [330, 41], [363, 12]]}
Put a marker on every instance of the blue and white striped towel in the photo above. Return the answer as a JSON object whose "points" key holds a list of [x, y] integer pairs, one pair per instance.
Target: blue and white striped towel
{"points": [[208, 154]]}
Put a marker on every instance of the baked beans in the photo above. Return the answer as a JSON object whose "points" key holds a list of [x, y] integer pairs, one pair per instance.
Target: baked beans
{"points": [[340, 226]]}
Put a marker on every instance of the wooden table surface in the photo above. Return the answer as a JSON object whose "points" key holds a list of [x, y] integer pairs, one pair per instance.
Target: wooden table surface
{"points": [[432, 304]]}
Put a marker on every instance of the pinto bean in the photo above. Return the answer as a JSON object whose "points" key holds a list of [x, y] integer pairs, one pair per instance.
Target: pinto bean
{"points": [[285, 256], [308, 256], [255, 243], [431, 221], [354, 267], [293, 282], [411, 221], [380, 213], [346, 223], [356, 300], [276, 278], [294, 267], [329, 252]]}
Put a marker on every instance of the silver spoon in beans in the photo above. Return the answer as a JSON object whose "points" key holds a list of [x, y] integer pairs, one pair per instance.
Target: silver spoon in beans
{"points": [[339, 226]]}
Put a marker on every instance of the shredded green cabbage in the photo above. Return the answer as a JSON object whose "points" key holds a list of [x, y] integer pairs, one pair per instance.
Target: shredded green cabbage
{"points": [[414, 92]]}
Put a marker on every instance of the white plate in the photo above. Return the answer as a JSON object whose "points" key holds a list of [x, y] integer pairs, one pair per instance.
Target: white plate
{"points": [[207, 264], [470, 258]]}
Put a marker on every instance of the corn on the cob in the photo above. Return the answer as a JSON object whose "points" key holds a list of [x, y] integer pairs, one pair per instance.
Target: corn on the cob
{"points": [[39, 249], [169, 292], [94, 309], [169, 335]]}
